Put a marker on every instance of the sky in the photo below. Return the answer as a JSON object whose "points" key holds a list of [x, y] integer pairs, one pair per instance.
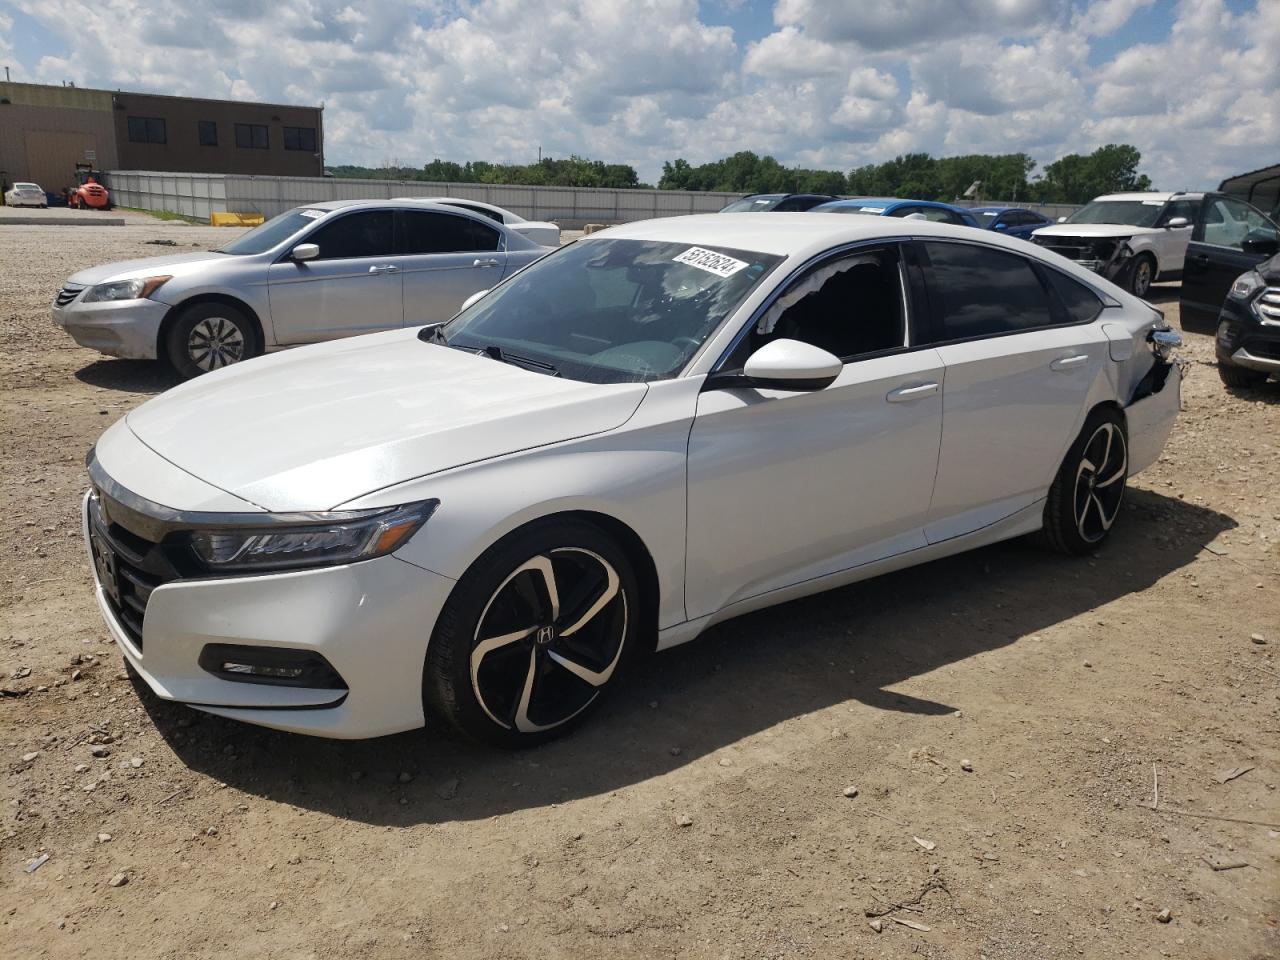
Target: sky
{"points": [[834, 84]]}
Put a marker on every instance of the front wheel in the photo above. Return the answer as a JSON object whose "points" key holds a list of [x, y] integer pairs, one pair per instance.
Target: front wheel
{"points": [[1084, 500], [209, 336], [533, 634], [1240, 378], [1144, 273]]}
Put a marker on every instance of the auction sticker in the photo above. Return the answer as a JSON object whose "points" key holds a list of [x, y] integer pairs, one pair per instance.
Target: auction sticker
{"points": [[312, 214], [710, 261]]}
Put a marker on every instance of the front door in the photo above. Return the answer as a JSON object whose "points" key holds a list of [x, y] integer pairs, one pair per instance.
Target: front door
{"points": [[444, 258], [1230, 238], [1018, 372], [787, 486], [352, 287]]}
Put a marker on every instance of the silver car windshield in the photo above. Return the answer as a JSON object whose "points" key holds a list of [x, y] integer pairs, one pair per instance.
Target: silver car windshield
{"points": [[610, 311], [1134, 213], [272, 233]]}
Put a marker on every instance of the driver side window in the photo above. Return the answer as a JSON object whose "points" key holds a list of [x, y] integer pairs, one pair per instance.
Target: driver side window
{"points": [[850, 306]]}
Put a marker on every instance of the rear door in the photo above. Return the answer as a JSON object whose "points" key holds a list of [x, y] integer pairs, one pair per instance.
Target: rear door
{"points": [[785, 486], [444, 258], [1019, 363], [1230, 237], [351, 287]]}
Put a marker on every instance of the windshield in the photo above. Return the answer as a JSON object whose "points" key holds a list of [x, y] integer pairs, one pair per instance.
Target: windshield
{"points": [[756, 204], [611, 311], [272, 233], [1134, 213]]}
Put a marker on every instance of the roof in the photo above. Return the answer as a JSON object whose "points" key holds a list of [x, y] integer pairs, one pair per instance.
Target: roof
{"points": [[1245, 181], [1151, 195], [791, 234], [886, 202]]}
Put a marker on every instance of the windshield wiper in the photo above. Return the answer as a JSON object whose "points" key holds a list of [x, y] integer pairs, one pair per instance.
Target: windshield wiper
{"points": [[495, 352]]}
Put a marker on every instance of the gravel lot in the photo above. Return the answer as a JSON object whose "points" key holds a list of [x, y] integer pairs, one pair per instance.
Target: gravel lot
{"points": [[1065, 684]]}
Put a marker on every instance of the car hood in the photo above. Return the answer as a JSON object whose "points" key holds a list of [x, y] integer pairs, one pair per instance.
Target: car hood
{"points": [[175, 265], [1093, 230], [315, 427], [1270, 269]]}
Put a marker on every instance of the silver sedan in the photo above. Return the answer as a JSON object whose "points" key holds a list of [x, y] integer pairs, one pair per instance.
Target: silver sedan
{"points": [[316, 272]]}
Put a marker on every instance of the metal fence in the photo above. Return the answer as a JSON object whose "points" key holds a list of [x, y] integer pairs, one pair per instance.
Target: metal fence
{"points": [[199, 194]]}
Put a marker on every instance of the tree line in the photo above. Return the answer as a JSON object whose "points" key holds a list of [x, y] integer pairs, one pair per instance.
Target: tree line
{"points": [[1074, 178]]}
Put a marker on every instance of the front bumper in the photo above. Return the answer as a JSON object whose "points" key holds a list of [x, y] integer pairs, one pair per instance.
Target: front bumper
{"points": [[120, 328], [1246, 340], [370, 620]]}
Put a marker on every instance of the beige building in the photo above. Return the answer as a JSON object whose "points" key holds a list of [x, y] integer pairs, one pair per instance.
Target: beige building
{"points": [[46, 130]]}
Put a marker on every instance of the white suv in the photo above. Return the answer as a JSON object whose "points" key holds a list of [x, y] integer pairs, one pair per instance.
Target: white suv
{"points": [[1132, 239]]}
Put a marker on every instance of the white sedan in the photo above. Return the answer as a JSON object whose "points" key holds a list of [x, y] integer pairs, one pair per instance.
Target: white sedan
{"points": [[654, 429], [539, 231], [25, 195]]}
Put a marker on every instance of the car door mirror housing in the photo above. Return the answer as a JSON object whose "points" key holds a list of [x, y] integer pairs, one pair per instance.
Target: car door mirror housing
{"points": [[1175, 222], [304, 251], [1000, 226], [472, 299], [1062, 219], [792, 365], [1260, 244]]}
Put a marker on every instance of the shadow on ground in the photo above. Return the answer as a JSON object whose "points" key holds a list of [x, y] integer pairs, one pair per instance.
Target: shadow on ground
{"points": [[130, 376], [741, 677]]}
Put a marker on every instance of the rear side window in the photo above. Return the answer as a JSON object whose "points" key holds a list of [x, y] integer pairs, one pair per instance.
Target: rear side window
{"points": [[979, 292], [422, 232], [365, 234], [1080, 303]]}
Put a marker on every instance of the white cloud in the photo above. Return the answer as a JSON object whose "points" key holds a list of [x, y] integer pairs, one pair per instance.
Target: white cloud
{"points": [[834, 84]]}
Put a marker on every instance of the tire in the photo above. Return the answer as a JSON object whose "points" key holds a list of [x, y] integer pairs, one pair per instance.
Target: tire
{"points": [[1085, 498], [1240, 378], [551, 667], [209, 336], [1142, 275]]}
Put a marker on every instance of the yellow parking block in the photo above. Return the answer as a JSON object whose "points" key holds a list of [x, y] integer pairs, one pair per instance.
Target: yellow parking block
{"points": [[236, 219]]}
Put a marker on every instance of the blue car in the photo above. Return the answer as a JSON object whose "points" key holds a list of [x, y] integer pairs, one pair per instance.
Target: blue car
{"points": [[893, 207], [1014, 221]]}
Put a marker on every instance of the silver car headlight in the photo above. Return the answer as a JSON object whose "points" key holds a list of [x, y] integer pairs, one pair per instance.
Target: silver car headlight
{"points": [[1246, 285], [136, 289], [321, 539]]}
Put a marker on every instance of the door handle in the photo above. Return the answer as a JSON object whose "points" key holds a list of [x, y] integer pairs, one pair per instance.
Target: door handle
{"points": [[905, 394], [1066, 363], [386, 268], [487, 262], [1201, 259]]}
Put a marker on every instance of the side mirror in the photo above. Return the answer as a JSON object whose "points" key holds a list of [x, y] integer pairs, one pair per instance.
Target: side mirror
{"points": [[1062, 219], [1261, 244], [305, 251], [1000, 226], [792, 365], [1175, 222], [472, 299]]}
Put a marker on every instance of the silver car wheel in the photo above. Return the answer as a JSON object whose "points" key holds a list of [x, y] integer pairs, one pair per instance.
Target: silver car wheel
{"points": [[1100, 478], [548, 640], [215, 342]]}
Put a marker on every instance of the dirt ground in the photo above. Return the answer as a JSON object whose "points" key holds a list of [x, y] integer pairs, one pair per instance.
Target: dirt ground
{"points": [[1067, 686]]}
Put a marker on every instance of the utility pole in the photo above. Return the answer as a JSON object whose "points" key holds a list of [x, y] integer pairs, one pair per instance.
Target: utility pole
{"points": [[539, 153], [6, 74]]}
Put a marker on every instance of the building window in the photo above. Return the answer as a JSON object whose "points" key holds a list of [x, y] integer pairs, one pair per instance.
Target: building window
{"points": [[300, 138], [146, 130], [208, 132], [252, 135]]}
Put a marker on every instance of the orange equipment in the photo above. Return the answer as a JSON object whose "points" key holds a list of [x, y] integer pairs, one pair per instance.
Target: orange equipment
{"points": [[89, 193]]}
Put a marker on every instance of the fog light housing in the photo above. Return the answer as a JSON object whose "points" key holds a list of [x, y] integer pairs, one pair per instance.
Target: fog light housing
{"points": [[279, 666]]}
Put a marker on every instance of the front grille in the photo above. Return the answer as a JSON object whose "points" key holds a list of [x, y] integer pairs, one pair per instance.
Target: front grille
{"points": [[1269, 304], [1267, 349], [135, 567], [1074, 248], [67, 294]]}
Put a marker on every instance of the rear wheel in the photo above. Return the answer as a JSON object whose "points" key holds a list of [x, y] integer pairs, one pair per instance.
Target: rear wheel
{"points": [[1240, 378], [533, 634], [1084, 500], [209, 336]]}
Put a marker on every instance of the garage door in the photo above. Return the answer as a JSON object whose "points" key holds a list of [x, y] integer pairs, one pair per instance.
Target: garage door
{"points": [[52, 156]]}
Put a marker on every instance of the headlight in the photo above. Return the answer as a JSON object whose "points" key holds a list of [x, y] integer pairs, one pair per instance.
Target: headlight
{"points": [[320, 540], [1246, 285], [124, 289]]}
